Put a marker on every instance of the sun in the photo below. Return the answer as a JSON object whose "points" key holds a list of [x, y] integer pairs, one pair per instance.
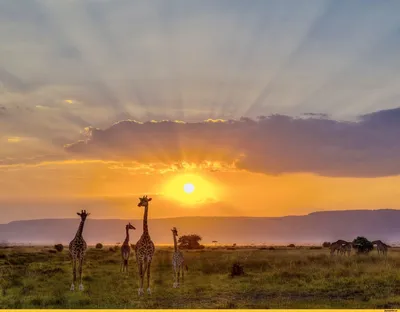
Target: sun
{"points": [[188, 188]]}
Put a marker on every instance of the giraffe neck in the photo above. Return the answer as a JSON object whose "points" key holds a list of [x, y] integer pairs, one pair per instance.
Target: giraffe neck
{"points": [[145, 227], [80, 229], [127, 236], [175, 244]]}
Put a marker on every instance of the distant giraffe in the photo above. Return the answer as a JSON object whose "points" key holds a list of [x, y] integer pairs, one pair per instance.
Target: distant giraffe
{"points": [[144, 248], [381, 247], [77, 249], [335, 246], [178, 261], [126, 249], [345, 248]]}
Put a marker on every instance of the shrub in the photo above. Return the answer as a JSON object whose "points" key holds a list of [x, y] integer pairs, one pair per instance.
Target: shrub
{"points": [[99, 246], [291, 245], [237, 269], [112, 249], [59, 247], [326, 244], [52, 251]]}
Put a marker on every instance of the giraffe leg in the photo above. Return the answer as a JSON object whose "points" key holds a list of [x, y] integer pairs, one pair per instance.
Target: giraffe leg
{"points": [[80, 274], [140, 267], [178, 275], [175, 275], [148, 277], [73, 274]]}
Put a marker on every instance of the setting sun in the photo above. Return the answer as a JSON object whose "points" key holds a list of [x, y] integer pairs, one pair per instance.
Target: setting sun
{"points": [[190, 189]]}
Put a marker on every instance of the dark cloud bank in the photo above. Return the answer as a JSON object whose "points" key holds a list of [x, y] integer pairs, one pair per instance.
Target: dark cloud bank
{"points": [[368, 147]]}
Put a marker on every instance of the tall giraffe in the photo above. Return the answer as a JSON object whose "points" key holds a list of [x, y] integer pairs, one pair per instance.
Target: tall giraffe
{"points": [[178, 261], [144, 248], [126, 249], [381, 247], [77, 249]]}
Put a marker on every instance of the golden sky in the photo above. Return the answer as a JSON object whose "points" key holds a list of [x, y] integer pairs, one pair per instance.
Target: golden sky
{"points": [[111, 190]]}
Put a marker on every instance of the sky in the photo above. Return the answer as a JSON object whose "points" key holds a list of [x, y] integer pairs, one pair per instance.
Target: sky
{"points": [[268, 108]]}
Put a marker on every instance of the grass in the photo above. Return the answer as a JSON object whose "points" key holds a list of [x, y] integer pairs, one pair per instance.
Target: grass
{"points": [[33, 277]]}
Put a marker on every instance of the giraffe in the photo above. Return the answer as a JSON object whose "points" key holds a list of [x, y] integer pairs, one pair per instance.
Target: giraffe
{"points": [[126, 249], [178, 261], [381, 247], [144, 248], [77, 249], [345, 248], [335, 246]]}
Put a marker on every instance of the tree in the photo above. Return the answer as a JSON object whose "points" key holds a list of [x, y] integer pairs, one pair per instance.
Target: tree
{"points": [[215, 242], [190, 242], [99, 246], [363, 245], [326, 244], [59, 247]]}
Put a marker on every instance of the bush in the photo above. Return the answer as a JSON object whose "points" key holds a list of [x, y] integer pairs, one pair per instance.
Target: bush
{"points": [[52, 251], [363, 245], [326, 244], [291, 245], [99, 246], [59, 247], [237, 269]]}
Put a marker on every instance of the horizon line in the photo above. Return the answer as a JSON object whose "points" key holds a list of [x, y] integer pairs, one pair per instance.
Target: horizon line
{"points": [[181, 217]]}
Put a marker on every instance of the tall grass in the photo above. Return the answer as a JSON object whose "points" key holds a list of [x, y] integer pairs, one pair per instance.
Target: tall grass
{"points": [[279, 278]]}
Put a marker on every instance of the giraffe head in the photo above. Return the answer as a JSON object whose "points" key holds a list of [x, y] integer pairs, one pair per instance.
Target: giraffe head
{"points": [[129, 226], [83, 214], [174, 231], [144, 201]]}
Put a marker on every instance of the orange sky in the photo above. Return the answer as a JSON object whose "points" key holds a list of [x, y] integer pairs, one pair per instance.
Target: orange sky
{"points": [[46, 191]]}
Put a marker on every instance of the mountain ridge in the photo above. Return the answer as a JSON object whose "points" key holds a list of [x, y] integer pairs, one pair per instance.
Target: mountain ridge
{"points": [[313, 228]]}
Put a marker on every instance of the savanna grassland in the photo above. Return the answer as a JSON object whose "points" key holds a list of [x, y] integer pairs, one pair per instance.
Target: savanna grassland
{"points": [[33, 277]]}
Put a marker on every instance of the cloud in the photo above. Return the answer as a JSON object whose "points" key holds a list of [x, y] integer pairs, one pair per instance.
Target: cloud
{"points": [[276, 144]]}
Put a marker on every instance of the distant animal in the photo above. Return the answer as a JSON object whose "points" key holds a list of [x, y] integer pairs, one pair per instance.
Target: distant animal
{"points": [[381, 247], [126, 249], [144, 248], [77, 250], [345, 248], [178, 261], [335, 246]]}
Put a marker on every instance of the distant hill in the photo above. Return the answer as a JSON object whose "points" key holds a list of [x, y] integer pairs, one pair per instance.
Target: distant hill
{"points": [[314, 228]]}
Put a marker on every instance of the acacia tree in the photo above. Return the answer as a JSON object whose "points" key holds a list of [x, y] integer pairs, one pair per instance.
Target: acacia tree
{"points": [[363, 245], [190, 242]]}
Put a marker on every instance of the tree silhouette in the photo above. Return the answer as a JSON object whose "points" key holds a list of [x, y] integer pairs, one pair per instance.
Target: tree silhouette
{"points": [[215, 242], [363, 245], [190, 242]]}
